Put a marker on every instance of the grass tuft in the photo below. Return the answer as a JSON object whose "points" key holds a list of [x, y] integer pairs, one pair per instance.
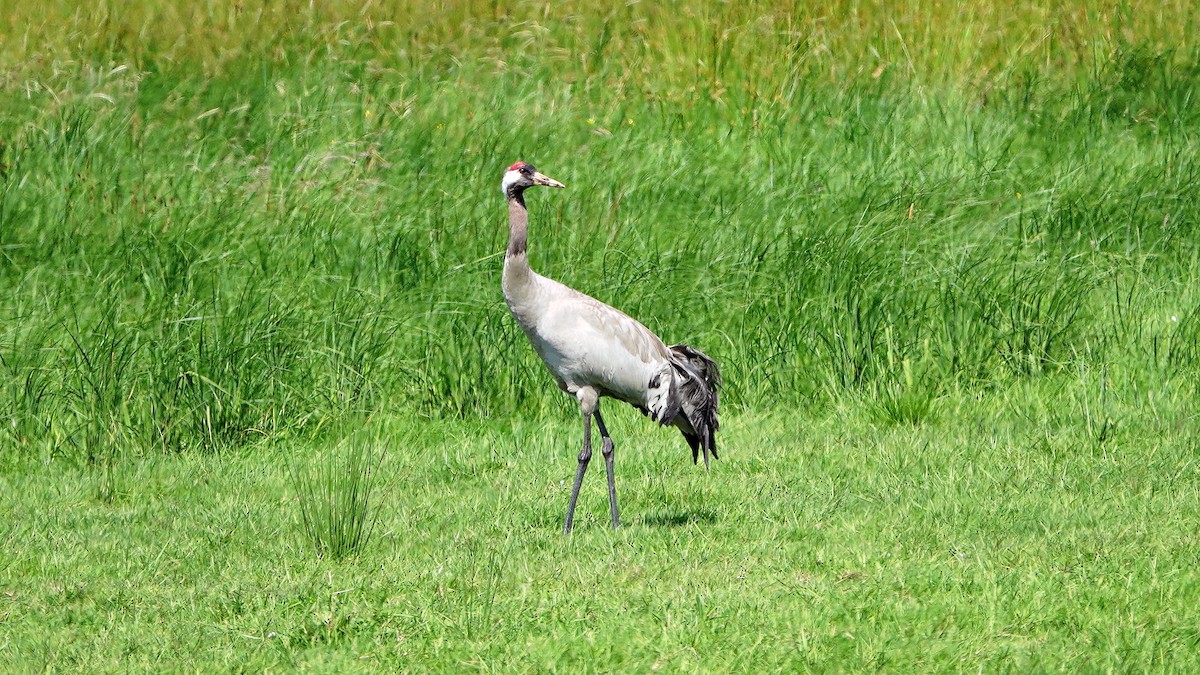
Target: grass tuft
{"points": [[339, 496]]}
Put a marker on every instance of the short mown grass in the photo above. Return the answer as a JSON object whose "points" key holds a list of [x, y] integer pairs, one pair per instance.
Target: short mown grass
{"points": [[945, 258]]}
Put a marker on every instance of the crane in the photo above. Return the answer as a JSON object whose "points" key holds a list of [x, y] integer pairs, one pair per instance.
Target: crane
{"points": [[595, 350]]}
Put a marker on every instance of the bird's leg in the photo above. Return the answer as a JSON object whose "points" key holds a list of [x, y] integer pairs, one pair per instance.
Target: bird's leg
{"points": [[606, 449], [585, 456]]}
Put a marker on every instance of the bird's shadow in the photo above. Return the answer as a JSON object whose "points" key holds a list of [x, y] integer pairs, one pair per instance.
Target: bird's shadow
{"points": [[680, 518]]}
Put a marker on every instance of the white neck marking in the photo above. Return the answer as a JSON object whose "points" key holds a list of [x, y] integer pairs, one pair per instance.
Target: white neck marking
{"points": [[510, 177]]}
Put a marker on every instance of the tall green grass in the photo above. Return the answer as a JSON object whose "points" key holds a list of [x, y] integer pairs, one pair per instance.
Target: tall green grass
{"points": [[199, 263]]}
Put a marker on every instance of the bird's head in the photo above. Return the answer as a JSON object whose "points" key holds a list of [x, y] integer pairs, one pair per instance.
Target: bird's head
{"points": [[522, 175]]}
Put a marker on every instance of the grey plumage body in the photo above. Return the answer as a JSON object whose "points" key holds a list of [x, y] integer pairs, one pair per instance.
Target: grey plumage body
{"points": [[594, 350]]}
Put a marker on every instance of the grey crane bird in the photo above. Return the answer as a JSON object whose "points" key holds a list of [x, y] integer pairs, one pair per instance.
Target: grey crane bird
{"points": [[595, 350]]}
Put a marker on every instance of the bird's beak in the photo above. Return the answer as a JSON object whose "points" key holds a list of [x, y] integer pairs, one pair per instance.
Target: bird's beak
{"points": [[540, 179]]}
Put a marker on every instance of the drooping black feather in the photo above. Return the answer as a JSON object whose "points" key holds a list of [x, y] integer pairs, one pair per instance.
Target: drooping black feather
{"points": [[697, 379]]}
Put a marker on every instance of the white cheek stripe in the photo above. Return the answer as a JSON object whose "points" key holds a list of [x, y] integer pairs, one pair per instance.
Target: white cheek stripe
{"points": [[510, 177]]}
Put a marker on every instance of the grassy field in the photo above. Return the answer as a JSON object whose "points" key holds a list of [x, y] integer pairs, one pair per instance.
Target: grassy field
{"points": [[262, 405]]}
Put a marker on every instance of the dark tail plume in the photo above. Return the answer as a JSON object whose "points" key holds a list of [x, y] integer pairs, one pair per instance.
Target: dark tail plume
{"points": [[698, 379]]}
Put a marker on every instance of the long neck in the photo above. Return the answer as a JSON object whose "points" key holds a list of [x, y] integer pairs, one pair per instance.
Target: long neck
{"points": [[518, 225], [517, 278]]}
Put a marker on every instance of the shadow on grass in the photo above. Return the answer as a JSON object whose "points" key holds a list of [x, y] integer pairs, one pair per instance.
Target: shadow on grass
{"points": [[680, 518]]}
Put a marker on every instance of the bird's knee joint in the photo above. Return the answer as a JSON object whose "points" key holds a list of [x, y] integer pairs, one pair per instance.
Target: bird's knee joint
{"points": [[589, 400]]}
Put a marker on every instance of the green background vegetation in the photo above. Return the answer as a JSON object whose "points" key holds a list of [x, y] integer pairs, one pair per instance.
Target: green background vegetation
{"points": [[946, 256]]}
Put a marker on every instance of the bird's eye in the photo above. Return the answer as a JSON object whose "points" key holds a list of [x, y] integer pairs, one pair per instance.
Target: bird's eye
{"points": [[527, 170]]}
